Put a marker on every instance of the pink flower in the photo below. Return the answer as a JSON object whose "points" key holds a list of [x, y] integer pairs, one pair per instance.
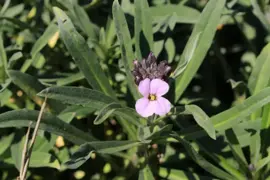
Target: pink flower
{"points": [[152, 101]]}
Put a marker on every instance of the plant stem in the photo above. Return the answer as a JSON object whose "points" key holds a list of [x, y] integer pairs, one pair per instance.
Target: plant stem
{"points": [[27, 161]]}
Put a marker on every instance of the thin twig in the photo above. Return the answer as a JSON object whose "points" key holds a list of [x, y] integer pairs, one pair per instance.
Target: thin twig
{"points": [[25, 147], [33, 139]]}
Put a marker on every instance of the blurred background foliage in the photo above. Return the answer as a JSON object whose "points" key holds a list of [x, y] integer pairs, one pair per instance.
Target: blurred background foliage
{"points": [[34, 57]]}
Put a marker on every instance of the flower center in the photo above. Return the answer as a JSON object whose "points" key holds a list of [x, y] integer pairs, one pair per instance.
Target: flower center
{"points": [[152, 97]]}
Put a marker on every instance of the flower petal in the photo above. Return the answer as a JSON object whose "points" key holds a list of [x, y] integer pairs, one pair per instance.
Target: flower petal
{"points": [[145, 108], [163, 106], [158, 87], [144, 87]]}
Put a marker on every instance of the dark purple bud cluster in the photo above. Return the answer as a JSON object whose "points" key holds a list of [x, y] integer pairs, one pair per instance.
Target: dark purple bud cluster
{"points": [[149, 68]]}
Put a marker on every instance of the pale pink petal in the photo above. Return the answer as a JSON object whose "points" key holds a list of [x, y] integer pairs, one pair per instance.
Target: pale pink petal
{"points": [[163, 106], [145, 108], [158, 87], [144, 87]]}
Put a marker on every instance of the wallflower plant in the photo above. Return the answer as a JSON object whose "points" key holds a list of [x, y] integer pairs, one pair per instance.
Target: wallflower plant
{"points": [[107, 105]]}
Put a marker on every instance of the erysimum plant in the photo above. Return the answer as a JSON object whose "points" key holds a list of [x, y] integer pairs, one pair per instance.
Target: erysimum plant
{"points": [[230, 145]]}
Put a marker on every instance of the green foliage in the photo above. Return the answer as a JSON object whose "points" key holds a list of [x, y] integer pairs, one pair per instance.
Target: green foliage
{"points": [[78, 56], [205, 28]]}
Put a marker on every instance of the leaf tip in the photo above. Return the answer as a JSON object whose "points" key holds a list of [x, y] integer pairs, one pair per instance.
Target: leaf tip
{"points": [[60, 15], [43, 93]]}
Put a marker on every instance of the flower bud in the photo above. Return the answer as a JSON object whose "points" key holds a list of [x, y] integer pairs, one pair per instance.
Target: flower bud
{"points": [[149, 68]]}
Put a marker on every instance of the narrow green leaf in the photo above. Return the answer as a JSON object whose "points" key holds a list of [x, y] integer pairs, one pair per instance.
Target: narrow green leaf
{"points": [[106, 112], [79, 111], [21, 25], [128, 114], [266, 117], [79, 157], [71, 79], [44, 38], [14, 10], [3, 61], [110, 32], [49, 122], [236, 149], [78, 96], [146, 133], [16, 149], [83, 56], [6, 143], [31, 86], [40, 159], [240, 130], [5, 85], [265, 131], [262, 163], [89, 98], [125, 41], [255, 147], [143, 29], [202, 119], [4, 7], [207, 24], [146, 174], [85, 24], [229, 118], [103, 147], [170, 48], [259, 78], [184, 14], [187, 55], [13, 59], [93, 99], [201, 161], [158, 46], [220, 160]]}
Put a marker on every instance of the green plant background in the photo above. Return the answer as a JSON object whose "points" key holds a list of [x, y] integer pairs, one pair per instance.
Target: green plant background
{"points": [[79, 54]]}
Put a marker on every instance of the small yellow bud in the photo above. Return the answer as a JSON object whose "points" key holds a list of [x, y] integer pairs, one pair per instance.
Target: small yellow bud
{"points": [[60, 142]]}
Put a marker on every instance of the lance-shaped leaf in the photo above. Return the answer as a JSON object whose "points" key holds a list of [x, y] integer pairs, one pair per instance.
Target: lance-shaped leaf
{"points": [[143, 29], [83, 56], [105, 147], [78, 96], [93, 99], [44, 38], [145, 133], [84, 22], [229, 118], [202, 120], [236, 149], [106, 112], [183, 14], [31, 86], [38, 159], [90, 98], [49, 122], [206, 25], [201, 161], [187, 55], [125, 41], [3, 61], [259, 78]]}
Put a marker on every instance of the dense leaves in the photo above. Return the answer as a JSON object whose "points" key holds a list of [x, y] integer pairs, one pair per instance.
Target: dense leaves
{"points": [[75, 68]]}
